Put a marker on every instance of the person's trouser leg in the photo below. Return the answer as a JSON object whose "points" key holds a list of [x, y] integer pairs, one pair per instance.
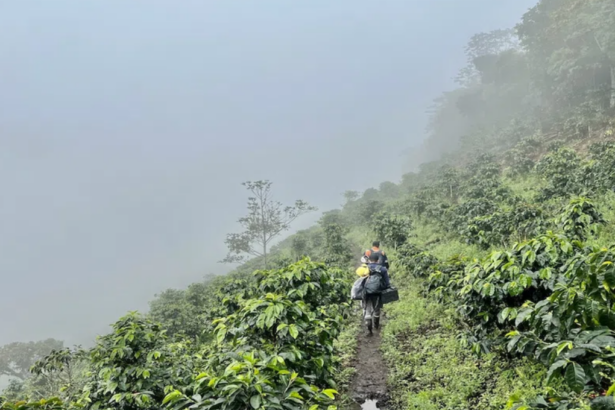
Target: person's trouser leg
{"points": [[376, 305], [369, 312]]}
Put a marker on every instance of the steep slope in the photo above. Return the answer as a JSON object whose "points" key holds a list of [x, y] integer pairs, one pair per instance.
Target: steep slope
{"points": [[503, 249]]}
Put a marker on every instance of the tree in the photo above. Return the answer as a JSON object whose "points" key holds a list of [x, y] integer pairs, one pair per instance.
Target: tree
{"points": [[176, 314], [483, 47], [14, 391], [448, 183], [571, 47], [394, 230], [389, 190], [265, 221], [338, 251], [17, 358], [367, 210], [335, 216], [61, 373], [370, 194], [446, 125], [300, 245], [351, 196]]}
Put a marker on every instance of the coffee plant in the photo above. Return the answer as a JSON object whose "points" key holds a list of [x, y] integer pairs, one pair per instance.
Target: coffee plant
{"points": [[337, 249], [272, 347], [580, 218], [392, 230], [561, 172], [550, 298], [520, 159]]}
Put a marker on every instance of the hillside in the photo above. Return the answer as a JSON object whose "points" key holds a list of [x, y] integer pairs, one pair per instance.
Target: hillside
{"points": [[502, 246]]}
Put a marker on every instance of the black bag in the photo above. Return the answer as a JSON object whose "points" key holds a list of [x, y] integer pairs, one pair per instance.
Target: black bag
{"points": [[374, 284], [389, 295]]}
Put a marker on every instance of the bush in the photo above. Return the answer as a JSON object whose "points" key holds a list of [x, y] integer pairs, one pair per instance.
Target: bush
{"points": [[273, 348]]}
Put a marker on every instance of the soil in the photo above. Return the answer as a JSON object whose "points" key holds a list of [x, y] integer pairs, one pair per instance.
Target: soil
{"points": [[369, 382]]}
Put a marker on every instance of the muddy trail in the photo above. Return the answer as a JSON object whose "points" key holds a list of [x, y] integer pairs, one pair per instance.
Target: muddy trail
{"points": [[368, 388]]}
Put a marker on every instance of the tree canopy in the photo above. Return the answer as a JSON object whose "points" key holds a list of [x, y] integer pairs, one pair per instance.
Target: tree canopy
{"points": [[17, 358], [265, 221]]}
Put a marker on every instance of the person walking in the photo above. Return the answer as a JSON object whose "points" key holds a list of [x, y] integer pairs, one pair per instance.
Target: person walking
{"points": [[377, 281], [382, 258]]}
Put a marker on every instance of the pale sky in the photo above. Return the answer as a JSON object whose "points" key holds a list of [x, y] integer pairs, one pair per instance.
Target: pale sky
{"points": [[127, 127]]}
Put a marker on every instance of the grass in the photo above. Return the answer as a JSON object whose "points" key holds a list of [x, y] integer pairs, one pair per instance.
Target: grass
{"points": [[606, 234], [440, 244], [425, 232], [429, 369], [526, 186], [445, 250]]}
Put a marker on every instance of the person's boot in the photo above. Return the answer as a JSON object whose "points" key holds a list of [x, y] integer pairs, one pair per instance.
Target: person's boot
{"points": [[368, 323], [377, 323]]}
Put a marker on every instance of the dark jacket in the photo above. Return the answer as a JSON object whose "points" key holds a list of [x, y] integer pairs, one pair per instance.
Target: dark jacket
{"points": [[375, 268], [384, 261], [382, 258]]}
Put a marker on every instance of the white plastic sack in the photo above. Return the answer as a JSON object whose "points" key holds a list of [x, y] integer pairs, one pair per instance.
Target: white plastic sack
{"points": [[357, 289]]}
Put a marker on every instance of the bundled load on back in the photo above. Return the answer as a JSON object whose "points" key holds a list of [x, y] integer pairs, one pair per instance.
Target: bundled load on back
{"points": [[373, 288], [358, 289]]}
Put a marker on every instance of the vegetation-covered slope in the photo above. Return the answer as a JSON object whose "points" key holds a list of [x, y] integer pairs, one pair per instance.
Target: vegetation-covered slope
{"points": [[272, 347], [503, 248]]}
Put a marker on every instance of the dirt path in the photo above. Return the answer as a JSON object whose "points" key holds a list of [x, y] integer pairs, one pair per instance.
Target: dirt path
{"points": [[369, 382]]}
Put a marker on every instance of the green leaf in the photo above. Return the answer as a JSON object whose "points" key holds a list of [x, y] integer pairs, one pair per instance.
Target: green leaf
{"points": [[255, 401], [576, 352], [603, 341], [221, 335], [513, 342], [563, 345], [294, 332], [503, 315], [296, 395], [522, 315], [171, 396], [591, 347], [330, 393], [555, 366], [611, 390], [575, 377]]}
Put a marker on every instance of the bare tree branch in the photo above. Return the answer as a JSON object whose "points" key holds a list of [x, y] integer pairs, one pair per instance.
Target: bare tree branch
{"points": [[266, 220]]}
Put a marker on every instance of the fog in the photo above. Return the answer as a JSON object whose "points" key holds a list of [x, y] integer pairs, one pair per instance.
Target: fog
{"points": [[126, 129]]}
